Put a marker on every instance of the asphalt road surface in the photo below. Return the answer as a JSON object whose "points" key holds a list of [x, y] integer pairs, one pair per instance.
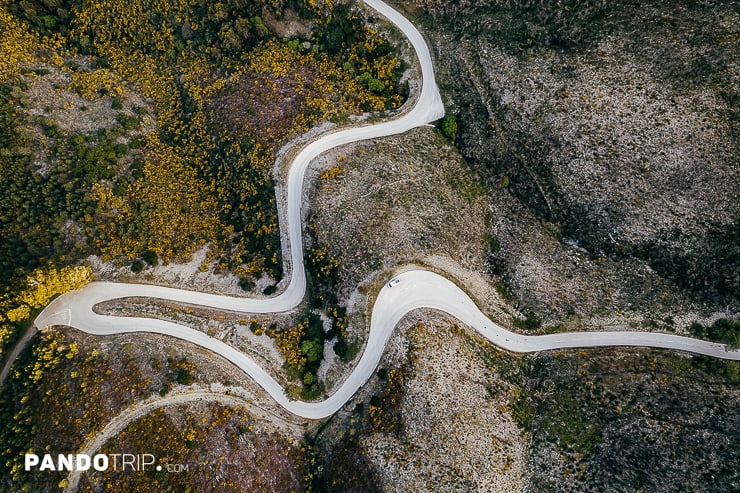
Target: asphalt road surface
{"points": [[417, 289]]}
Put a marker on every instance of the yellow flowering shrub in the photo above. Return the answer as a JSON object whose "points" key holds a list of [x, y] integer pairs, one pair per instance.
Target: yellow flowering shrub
{"points": [[169, 210], [289, 345], [90, 85], [44, 284], [41, 286], [17, 46], [18, 314]]}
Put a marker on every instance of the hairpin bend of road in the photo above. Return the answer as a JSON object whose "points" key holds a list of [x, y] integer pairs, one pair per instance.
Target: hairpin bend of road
{"points": [[417, 289]]}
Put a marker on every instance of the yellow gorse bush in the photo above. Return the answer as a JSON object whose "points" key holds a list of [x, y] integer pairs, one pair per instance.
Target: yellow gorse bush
{"points": [[89, 84], [176, 212], [289, 345], [17, 46], [41, 286], [44, 284]]}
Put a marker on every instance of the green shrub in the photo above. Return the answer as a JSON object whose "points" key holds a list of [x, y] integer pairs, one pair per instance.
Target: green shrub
{"points": [[184, 377], [449, 127]]}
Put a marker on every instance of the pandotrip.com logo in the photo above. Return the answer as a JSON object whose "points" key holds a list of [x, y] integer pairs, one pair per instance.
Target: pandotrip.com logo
{"points": [[98, 462]]}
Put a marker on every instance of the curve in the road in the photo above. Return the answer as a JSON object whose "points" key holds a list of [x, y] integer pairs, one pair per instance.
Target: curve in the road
{"points": [[141, 409], [418, 288]]}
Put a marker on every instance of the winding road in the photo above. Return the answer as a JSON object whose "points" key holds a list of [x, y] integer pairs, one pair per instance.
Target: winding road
{"points": [[417, 289]]}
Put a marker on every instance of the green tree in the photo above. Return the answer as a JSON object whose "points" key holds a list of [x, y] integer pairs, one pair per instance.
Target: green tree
{"points": [[308, 378], [449, 127], [150, 257], [313, 349]]}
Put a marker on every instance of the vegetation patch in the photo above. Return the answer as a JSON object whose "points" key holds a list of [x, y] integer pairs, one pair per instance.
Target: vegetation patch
{"points": [[213, 441], [226, 92], [56, 373], [722, 330], [616, 419]]}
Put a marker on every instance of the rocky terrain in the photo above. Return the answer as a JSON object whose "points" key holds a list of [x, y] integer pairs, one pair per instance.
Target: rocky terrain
{"points": [[613, 125], [399, 199], [445, 411], [601, 147], [586, 179], [631, 420], [436, 417]]}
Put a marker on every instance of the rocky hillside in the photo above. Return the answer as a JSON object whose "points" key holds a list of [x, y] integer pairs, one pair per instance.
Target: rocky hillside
{"points": [[616, 123]]}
